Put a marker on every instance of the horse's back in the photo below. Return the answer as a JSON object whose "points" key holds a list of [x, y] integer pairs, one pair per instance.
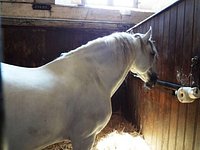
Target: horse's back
{"points": [[35, 107], [40, 103]]}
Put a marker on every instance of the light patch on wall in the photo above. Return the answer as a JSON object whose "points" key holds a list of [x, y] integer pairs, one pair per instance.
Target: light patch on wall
{"points": [[150, 5], [68, 2], [155, 5], [97, 2], [123, 3]]}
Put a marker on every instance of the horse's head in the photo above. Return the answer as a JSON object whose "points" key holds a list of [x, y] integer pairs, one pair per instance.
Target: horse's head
{"points": [[145, 58]]}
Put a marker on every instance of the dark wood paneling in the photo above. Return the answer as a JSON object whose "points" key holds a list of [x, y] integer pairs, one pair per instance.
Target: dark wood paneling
{"points": [[35, 46], [160, 114], [187, 49], [174, 106], [196, 51], [165, 122], [179, 46]]}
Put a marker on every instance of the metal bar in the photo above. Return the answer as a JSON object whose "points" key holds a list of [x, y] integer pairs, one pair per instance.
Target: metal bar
{"points": [[168, 85], [165, 84]]}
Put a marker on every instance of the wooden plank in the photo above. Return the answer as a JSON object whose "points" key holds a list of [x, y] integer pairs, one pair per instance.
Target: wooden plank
{"points": [[133, 101], [44, 44], [190, 125], [65, 23], [182, 107], [181, 126], [196, 40], [174, 104], [139, 104], [133, 86], [178, 62], [166, 59], [159, 46], [188, 37], [137, 111], [25, 50], [179, 40], [196, 51], [172, 43], [196, 142]]}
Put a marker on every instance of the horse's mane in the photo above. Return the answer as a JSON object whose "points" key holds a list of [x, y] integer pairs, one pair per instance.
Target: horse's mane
{"points": [[123, 40]]}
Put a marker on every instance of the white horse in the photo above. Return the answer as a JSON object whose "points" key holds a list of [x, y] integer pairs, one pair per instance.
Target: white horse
{"points": [[70, 96]]}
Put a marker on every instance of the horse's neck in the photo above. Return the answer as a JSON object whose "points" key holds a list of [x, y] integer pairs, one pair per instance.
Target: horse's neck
{"points": [[104, 59], [124, 51], [111, 63]]}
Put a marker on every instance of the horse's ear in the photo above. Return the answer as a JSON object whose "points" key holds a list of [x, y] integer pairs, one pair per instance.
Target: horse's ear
{"points": [[147, 36]]}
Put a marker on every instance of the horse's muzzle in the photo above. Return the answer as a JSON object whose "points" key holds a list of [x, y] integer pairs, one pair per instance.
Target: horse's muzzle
{"points": [[152, 80]]}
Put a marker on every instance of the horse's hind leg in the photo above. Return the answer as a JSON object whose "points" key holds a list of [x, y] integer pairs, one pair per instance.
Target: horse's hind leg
{"points": [[83, 144]]}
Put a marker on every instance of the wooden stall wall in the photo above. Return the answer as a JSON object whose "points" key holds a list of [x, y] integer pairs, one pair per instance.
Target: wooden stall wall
{"points": [[34, 46], [166, 123]]}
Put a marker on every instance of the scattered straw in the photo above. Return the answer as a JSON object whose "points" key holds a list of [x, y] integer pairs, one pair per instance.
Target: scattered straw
{"points": [[121, 141]]}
